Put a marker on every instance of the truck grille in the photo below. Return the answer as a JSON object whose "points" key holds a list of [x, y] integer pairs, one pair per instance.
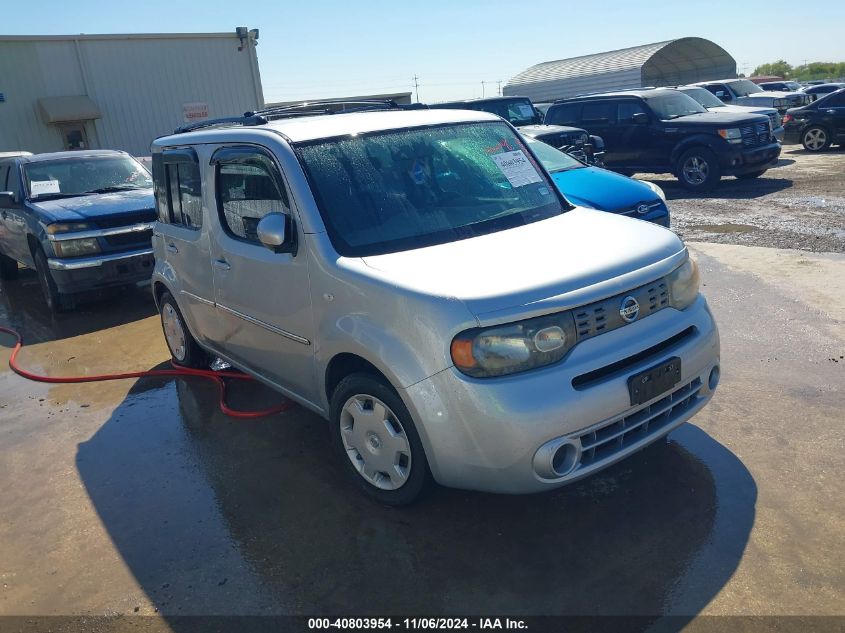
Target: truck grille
{"points": [[138, 239], [603, 316], [126, 219], [755, 135], [603, 442]]}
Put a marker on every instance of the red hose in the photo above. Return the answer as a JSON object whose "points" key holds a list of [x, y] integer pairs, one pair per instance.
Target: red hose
{"points": [[177, 371]]}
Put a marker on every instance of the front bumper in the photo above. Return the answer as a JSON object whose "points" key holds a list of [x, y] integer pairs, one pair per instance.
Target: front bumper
{"points": [[495, 434], [749, 160], [79, 274]]}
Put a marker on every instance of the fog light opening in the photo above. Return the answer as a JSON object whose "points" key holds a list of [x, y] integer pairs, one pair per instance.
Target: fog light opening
{"points": [[565, 459], [714, 378]]}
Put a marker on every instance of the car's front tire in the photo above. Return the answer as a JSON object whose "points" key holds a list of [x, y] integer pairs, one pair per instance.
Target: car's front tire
{"points": [[56, 301], [376, 440], [183, 347], [815, 139], [698, 169]]}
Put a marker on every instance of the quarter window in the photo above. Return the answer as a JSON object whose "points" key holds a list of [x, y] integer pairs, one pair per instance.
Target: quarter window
{"points": [[249, 186], [178, 188]]}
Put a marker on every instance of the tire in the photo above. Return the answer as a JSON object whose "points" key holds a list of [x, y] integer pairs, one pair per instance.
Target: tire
{"points": [[815, 139], [753, 174], [8, 268], [183, 347], [56, 301], [698, 169], [385, 458]]}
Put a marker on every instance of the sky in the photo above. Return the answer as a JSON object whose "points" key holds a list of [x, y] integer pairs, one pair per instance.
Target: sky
{"points": [[328, 48]]}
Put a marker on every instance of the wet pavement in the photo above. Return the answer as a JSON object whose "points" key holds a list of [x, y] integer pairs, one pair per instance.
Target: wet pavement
{"points": [[141, 497]]}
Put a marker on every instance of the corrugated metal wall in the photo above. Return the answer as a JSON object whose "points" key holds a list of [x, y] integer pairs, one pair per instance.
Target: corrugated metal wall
{"points": [[139, 83], [542, 91]]}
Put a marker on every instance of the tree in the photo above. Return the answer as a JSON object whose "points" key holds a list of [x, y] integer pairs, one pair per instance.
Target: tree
{"points": [[780, 68]]}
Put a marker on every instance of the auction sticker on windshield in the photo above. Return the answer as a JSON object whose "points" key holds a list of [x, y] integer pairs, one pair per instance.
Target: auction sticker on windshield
{"points": [[517, 168], [40, 187]]}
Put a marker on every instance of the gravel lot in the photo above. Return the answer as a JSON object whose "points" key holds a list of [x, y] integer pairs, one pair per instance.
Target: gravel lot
{"points": [[798, 204]]}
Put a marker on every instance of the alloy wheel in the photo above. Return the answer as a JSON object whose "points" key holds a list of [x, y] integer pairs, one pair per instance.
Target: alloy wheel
{"points": [[696, 170], [375, 442], [815, 139]]}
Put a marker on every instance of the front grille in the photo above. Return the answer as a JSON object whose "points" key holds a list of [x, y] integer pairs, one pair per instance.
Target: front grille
{"points": [[126, 219], [139, 239], [603, 316], [755, 135], [602, 442]]}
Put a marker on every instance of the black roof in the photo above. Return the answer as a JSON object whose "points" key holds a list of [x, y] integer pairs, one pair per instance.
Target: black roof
{"points": [[480, 100], [642, 93]]}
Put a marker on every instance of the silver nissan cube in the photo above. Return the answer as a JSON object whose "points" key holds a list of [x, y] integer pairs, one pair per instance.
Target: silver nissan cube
{"points": [[415, 277]]}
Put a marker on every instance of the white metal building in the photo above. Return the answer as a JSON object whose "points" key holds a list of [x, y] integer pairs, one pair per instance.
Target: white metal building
{"points": [[120, 91], [682, 61]]}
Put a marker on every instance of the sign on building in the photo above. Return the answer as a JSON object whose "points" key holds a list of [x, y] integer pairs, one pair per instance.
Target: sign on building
{"points": [[195, 111]]}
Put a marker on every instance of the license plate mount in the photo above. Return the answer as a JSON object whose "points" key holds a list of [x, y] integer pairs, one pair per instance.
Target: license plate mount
{"points": [[650, 383]]}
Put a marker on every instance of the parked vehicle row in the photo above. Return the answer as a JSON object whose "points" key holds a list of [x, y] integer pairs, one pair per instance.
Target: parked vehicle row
{"points": [[818, 125]]}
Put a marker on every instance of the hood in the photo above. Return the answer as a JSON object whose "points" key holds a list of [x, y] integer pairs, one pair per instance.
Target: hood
{"points": [[738, 109], [93, 206], [714, 119], [565, 261], [602, 189]]}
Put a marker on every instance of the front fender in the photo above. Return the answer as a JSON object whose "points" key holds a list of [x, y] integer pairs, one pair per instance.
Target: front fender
{"points": [[711, 141]]}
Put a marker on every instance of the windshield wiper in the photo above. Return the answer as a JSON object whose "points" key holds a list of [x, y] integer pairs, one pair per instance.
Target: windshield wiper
{"points": [[56, 195], [112, 188]]}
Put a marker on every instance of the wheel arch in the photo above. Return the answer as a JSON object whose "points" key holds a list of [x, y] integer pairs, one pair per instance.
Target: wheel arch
{"points": [[698, 140], [346, 363]]}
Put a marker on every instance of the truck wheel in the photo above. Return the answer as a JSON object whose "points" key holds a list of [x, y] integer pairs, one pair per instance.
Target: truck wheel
{"points": [[375, 438], [56, 301], [183, 347], [753, 174], [815, 139], [8, 267], [698, 169]]}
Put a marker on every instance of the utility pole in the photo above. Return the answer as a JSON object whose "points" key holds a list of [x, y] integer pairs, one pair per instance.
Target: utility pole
{"points": [[417, 88], [500, 87], [482, 88]]}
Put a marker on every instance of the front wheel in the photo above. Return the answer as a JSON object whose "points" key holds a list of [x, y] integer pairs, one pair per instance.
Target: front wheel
{"points": [[375, 438], [56, 301], [815, 139], [750, 175], [698, 169], [183, 348]]}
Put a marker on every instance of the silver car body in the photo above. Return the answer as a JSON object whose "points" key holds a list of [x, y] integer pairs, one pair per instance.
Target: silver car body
{"points": [[772, 113], [286, 319]]}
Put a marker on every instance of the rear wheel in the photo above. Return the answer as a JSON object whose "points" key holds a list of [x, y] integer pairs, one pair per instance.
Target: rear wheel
{"points": [[56, 301], [815, 139], [8, 267], [183, 347], [752, 174], [375, 438], [698, 169]]}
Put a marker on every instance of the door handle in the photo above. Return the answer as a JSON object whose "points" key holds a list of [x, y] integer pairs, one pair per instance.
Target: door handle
{"points": [[171, 248], [222, 264], [831, 111]]}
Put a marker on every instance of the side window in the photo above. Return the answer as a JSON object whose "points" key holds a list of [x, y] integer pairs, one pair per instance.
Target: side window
{"points": [[178, 188], [627, 110], [249, 186], [13, 181], [4, 169], [714, 88], [599, 112], [564, 114], [836, 101]]}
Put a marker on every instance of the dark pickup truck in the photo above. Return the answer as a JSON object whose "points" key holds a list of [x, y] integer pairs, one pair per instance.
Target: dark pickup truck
{"points": [[665, 131], [82, 219]]}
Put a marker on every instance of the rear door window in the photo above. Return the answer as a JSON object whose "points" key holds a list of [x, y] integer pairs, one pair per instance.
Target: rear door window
{"points": [[178, 188], [599, 112]]}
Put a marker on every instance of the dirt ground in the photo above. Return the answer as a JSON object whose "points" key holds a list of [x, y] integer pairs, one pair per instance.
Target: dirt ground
{"points": [[798, 204]]}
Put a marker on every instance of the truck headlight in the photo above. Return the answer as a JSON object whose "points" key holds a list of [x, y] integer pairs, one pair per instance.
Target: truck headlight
{"points": [[514, 347], [731, 135], [657, 190], [683, 284], [76, 248]]}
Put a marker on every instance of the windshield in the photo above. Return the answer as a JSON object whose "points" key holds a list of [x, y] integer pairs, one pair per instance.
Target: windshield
{"points": [[393, 191], [704, 97], [744, 87], [674, 105], [515, 111], [552, 159], [84, 175]]}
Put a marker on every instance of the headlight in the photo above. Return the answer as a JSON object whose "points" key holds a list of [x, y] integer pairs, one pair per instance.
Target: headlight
{"points": [[683, 284], [731, 135], [514, 347], [657, 190], [68, 227], [76, 248]]}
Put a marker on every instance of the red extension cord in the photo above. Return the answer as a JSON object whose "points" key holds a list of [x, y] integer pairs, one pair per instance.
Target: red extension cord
{"points": [[177, 371]]}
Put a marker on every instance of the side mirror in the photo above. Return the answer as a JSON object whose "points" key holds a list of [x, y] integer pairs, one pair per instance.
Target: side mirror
{"points": [[275, 231], [721, 94], [640, 118], [7, 200]]}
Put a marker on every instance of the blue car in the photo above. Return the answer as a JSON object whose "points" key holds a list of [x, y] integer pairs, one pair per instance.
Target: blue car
{"points": [[600, 189]]}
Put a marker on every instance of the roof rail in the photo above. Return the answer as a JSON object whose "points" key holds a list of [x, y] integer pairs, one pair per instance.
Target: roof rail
{"points": [[247, 119]]}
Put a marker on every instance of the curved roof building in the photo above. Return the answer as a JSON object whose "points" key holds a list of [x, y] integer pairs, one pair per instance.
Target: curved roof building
{"points": [[669, 63]]}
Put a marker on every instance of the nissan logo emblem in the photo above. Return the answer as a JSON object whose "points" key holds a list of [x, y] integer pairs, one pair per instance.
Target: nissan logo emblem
{"points": [[629, 309]]}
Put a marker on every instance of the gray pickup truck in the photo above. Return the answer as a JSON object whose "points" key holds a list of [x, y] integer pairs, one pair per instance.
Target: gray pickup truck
{"points": [[82, 219], [746, 93]]}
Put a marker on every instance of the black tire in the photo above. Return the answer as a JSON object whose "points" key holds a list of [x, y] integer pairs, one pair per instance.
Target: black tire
{"points": [[189, 353], [752, 174], [8, 268], [708, 170], [418, 479], [816, 138], [56, 301]]}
